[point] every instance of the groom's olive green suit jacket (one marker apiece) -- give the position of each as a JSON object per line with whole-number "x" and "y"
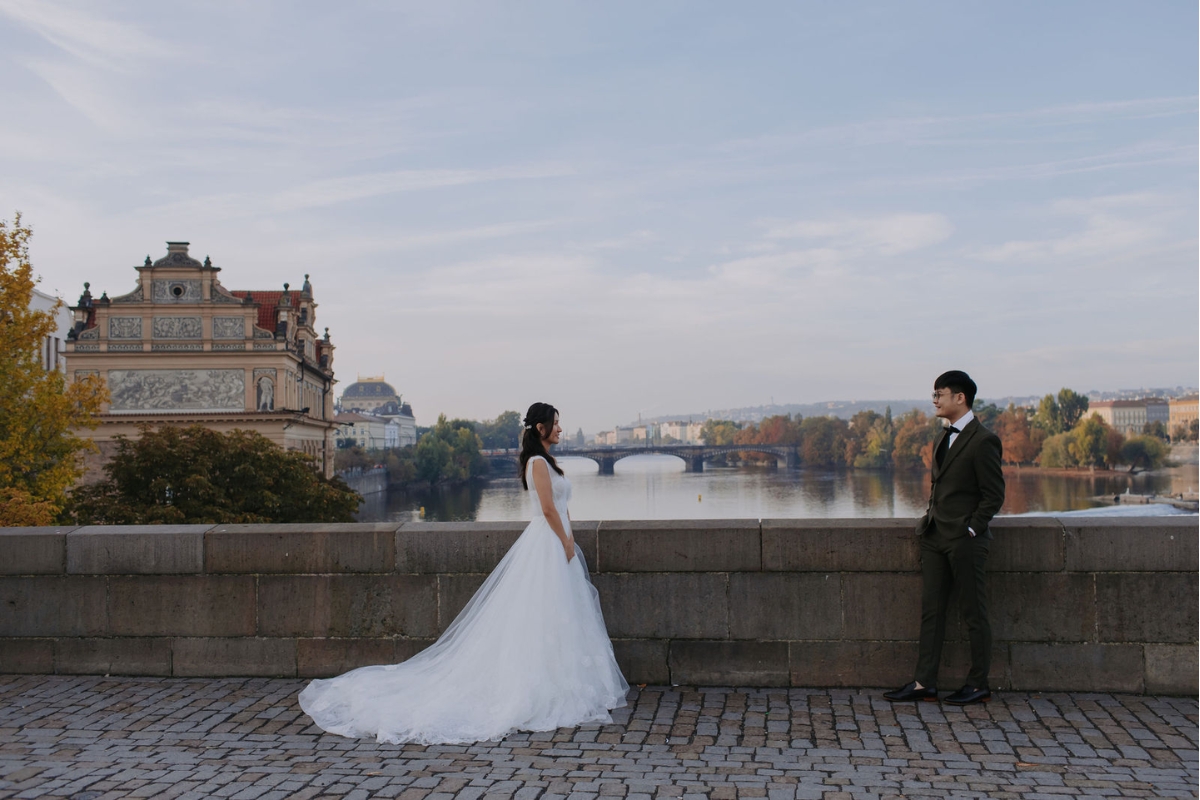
{"x": 967, "y": 488}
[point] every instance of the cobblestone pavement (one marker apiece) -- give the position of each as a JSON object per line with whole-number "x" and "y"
{"x": 91, "y": 738}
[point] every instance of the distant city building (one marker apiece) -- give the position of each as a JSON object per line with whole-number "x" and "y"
{"x": 1131, "y": 416}
{"x": 368, "y": 394}
{"x": 682, "y": 432}
{"x": 55, "y": 344}
{"x": 615, "y": 436}
{"x": 368, "y": 431}
{"x": 182, "y": 349}
{"x": 1182, "y": 415}
{"x": 378, "y": 397}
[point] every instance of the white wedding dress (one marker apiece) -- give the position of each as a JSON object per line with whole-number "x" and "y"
{"x": 529, "y": 652}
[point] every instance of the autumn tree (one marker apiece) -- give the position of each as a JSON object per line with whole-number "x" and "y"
{"x": 39, "y": 410}
{"x": 717, "y": 432}
{"x": 176, "y": 475}
{"x": 915, "y": 435}
{"x": 823, "y": 441}
{"x": 1020, "y": 440}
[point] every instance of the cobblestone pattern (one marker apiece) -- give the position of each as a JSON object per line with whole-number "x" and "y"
{"x": 93, "y": 738}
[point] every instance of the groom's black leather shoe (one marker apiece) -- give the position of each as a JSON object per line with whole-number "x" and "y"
{"x": 968, "y": 695}
{"x": 910, "y": 692}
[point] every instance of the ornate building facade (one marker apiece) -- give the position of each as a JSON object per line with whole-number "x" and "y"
{"x": 182, "y": 349}
{"x": 377, "y": 397}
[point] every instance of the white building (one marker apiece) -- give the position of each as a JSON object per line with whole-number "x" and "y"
{"x": 55, "y": 345}
{"x": 367, "y": 431}
{"x": 682, "y": 432}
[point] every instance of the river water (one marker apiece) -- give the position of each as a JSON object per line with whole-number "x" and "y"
{"x": 656, "y": 487}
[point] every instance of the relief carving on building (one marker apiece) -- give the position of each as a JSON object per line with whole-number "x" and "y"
{"x": 229, "y": 328}
{"x": 178, "y": 347}
{"x": 262, "y": 333}
{"x": 177, "y": 328}
{"x": 177, "y": 390}
{"x": 133, "y": 297}
{"x": 228, "y": 346}
{"x": 177, "y": 291}
{"x": 124, "y": 327}
{"x": 90, "y": 333}
{"x": 125, "y": 347}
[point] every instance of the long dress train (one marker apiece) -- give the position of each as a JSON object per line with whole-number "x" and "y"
{"x": 528, "y": 652}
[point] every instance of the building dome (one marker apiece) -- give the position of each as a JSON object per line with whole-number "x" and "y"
{"x": 369, "y": 389}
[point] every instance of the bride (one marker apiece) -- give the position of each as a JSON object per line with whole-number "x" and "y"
{"x": 529, "y": 651}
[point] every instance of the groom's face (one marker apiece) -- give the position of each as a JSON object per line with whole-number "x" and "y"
{"x": 949, "y": 404}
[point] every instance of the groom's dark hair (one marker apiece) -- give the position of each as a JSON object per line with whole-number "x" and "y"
{"x": 957, "y": 381}
{"x": 531, "y": 439}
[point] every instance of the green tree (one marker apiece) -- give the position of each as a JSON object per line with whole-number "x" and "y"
{"x": 1048, "y": 416}
{"x": 39, "y": 411}
{"x": 501, "y": 433}
{"x": 450, "y": 451}
{"x": 176, "y": 475}
{"x": 718, "y": 432}
{"x": 1056, "y": 452}
{"x": 1147, "y": 452}
{"x": 1072, "y": 407}
{"x": 1156, "y": 429}
{"x": 1089, "y": 442}
{"x": 987, "y": 414}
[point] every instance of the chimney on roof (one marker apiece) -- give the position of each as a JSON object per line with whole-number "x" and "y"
{"x": 177, "y": 247}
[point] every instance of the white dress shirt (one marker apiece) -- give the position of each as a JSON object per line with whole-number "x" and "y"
{"x": 963, "y": 421}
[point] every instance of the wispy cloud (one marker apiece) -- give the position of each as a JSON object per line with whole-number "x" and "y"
{"x": 95, "y": 40}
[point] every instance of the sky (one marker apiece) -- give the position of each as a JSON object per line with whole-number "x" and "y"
{"x": 638, "y": 208}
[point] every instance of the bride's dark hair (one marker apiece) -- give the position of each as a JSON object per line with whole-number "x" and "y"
{"x": 531, "y": 439}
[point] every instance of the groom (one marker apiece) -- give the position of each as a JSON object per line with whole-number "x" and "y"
{"x": 967, "y": 489}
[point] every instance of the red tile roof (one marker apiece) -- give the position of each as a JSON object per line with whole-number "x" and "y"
{"x": 267, "y": 303}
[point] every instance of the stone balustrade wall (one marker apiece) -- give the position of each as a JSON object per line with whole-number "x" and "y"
{"x": 1100, "y": 604}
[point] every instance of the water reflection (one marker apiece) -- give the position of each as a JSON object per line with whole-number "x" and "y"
{"x": 656, "y": 487}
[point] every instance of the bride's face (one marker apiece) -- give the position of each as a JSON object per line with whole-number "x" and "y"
{"x": 554, "y": 434}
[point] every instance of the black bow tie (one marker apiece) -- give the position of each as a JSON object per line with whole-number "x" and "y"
{"x": 952, "y": 429}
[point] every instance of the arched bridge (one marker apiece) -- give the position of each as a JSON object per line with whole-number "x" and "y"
{"x": 693, "y": 455}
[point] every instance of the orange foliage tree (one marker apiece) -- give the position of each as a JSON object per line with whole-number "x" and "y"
{"x": 39, "y": 411}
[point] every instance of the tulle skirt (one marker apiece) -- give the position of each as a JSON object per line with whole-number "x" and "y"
{"x": 529, "y": 652}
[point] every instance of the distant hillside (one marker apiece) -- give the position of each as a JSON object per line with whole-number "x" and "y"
{"x": 835, "y": 408}
{"x": 848, "y": 408}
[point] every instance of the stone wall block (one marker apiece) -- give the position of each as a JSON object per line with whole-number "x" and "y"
{"x": 182, "y": 605}
{"x": 301, "y": 548}
{"x": 213, "y": 658}
{"x": 786, "y": 605}
{"x": 1041, "y": 607}
{"x": 726, "y": 663}
{"x": 1076, "y": 667}
{"x": 453, "y": 547}
{"x": 367, "y": 606}
{"x": 841, "y": 663}
{"x": 52, "y": 606}
{"x": 1172, "y": 669}
{"x": 956, "y": 665}
{"x": 407, "y": 648}
{"x": 726, "y": 545}
{"x": 1125, "y": 544}
{"x": 832, "y": 545}
{"x": 664, "y": 605}
{"x": 136, "y": 550}
{"x": 19, "y": 656}
{"x": 125, "y": 656}
{"x": 1147, "y": 607}
{"x": 453, "y": 594}
{"x": 881, "y": 606}
{"x": 325, "y": 658}
{"x": 33, "y": 551}
{"x": 1029, "y": 544}
{"x": 643, "y": 660}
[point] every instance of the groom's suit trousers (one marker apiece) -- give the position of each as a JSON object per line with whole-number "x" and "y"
{"x": 948, "y": 562}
